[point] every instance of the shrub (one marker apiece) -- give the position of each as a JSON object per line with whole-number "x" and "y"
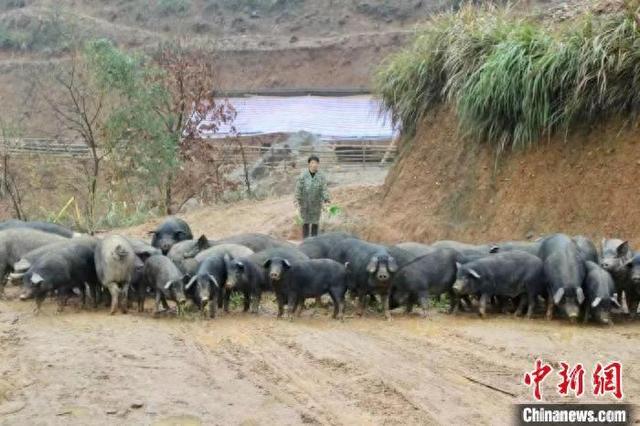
{"x": 7, "y": 39}
{"x": 512, "y": 80}
{"x": 49, "y": 33}
{"x": 12, "y": 4}
{"x": 120, "y": 214}
{"x": 173, "y": 7}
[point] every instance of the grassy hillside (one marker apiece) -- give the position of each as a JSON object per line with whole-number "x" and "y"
{"x": 513, "y": 80}
{"x": 41, "y": 25}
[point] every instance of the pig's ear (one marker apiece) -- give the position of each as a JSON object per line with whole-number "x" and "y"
{"x": 347, "y": 266}
{"x": 226, "y": 258}
{"x": 286, "y": 263}
{"x": 191, "y": 281}
{"x": 203, "y": 242}
{"x": 214, "y": 281}
{"x": 240, "y": 265}
{"x": 186, "y": 278}
{"x": 603, "y": 242}
{"x": 36, "y": 279}
{"x": 623, "y": 248}
{"x": 392, "y": 265}
{"x": 596, "y": 302}
{"x": 474, "y": 273}
{"x": 580, "y": 295}
{"x": 629, "y": 263}
{"x": 458, "y": 265}
{"x": 494, "y": 249}
{"x": 614, "y": 300}
{"x": 267, "y": 263}
{"x": 373, "y": 265}
{"x": 558, "y": 296}
{"x": 168, "y": 285}
{"x": 151, "y": 233}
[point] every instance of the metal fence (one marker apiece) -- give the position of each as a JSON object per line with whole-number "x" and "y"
{"x": 343, "y": 155}
{"x": 54, "y": 147}
{"x": 346, "y": 153}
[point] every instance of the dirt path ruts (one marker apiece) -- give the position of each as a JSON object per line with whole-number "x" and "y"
{"x": 89, "y": 368}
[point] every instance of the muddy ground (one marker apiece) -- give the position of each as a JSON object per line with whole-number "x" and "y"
{"x": 84, "y": 367}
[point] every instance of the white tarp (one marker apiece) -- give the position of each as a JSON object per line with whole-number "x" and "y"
{"x": 329, "y": 117}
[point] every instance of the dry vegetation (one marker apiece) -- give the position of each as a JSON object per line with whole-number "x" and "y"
{"x": 513, "y": 80}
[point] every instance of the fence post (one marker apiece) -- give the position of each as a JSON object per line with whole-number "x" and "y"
{"x": 389, "y": 151}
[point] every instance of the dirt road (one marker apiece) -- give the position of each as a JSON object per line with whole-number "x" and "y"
{"x": 83, "y": 367}
{"x": 86, "y": 368}
{"x": 275, "y": 216}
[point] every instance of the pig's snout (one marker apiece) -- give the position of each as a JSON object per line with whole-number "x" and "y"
{"x": 635, "y": 278}
{"x": 165, "y": 246}
{"x": 572, "y": 313}
{"x": 606, "y": 264}
{"x": 458, "y": 286}
{"x": 605, "y": 320}
{"x": 274, "y": 275}
{"x": 382, "y": 275}
{"x": 27, "y": 293}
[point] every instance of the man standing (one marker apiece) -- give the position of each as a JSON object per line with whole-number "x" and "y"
{"x": 311, "y": 192}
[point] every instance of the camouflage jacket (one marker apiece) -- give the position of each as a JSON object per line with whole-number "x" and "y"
{"x": 311, "y": 192}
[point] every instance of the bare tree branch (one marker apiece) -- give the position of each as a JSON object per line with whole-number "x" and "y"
{"x": 80, "y": 109}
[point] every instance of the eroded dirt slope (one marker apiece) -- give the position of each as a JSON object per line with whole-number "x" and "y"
{"x": 445, "y": 188}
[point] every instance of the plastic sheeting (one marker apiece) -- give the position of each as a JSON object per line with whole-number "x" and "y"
{"x": 339, "y": 117}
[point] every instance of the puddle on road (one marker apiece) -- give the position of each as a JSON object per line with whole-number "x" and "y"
{"x": 185, "y": 420}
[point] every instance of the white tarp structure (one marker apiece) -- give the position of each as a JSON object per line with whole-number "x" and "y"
{"x": 328, "y": 117}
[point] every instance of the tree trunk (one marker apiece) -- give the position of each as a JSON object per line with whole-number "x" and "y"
{"x": 168, "y": 194}
{"x": 14, "y": 194}
{"x": 93, "y": 189}
{"x": 246, "y": 168}
{"x": 216, "y": 191}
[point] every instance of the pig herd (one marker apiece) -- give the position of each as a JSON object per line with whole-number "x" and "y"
{"x": 559, "y": 274}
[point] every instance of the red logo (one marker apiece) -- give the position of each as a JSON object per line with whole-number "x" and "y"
{"x": 571, "y": 379}
{"x": 536, "y": 377}
{"x": 606, "y": 379}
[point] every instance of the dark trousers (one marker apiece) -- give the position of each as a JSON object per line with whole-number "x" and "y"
{"x": 309, "y": 229}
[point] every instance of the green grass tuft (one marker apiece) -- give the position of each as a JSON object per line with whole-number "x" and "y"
{"x": 512, "y": 81}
